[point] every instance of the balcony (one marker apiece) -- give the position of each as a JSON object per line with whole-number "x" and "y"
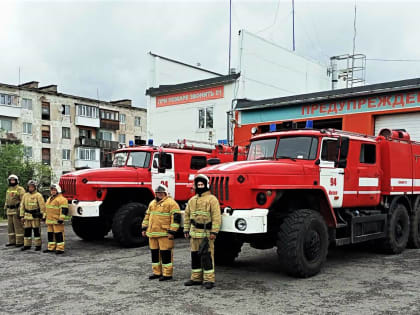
{"x": 10, "y": 111}
{"x": 106, "y": 144}
{"x": 86, "y": 142}
{"x": 87, "y": 121}
{"x": 8, "y": 137}
{"x": 110, "y": 124}
{"x": 80, "y": 164}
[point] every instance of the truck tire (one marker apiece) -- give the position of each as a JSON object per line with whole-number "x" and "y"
{"x": 226, "y": 248}
{"x": 302, "y": 243}
{"x": 397, "y": 230}
{"x": 90, "y": 229}
{"x": 414, "y": 238}
{"x": 126, "y": 225}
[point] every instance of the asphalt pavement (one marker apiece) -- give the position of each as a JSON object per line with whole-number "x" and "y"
{"x": 102, "y": 278}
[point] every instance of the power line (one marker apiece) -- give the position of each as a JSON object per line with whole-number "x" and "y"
{"x": 275, "y": 19}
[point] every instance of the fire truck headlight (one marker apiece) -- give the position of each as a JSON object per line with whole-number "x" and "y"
{"x": 80, "y": 210}
{"x": 254, "y": 130}
{"x": 241, "y": 224}
{"x": 261, "y": 198}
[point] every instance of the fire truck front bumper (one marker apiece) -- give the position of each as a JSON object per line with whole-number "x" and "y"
{"x": 244, "y": 221}
{"x": 84, "y": 208}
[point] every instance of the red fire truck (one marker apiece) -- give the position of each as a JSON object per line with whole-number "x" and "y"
{"x": 116, "y": 198}
{"x": 303, "y": 190}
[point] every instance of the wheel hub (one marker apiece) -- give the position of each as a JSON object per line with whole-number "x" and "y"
{"x": 312, "y": 245}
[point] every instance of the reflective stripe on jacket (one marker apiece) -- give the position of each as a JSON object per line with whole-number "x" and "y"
{"x": 54, "y": 209}
{"x": 161, "y": 217}
{"x": 14, "y": 195}
{"x": 30, "y": 202}
{"x": 202, "y": 210}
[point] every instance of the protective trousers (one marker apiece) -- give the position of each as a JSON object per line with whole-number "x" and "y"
{"x": 55, "y": 237}
{"x": 36, "y": 227}
{"x": 162, "y": 255}
{"x": 202, "y": 270}
{"x": 15, "y": 229}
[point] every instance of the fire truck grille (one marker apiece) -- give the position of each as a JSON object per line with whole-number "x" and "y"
{"x": 219, "y": 186}
{"x": 68, "y": 185}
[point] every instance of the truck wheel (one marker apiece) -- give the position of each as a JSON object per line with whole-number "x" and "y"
{"x": 90, "y": 229}
{"x": 397, "y": 230}
{"x": 226, "y": 248}
{"x": 414, "y": 238}
{"x": 126, "y": 225}
{"x": 302, "y": 243}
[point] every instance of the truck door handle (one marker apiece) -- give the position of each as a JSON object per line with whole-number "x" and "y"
{"x": 341, "y": 173}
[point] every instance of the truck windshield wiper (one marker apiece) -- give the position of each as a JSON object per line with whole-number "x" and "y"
{"x": 265, "y": 158}
{"x": 286, "y": 157}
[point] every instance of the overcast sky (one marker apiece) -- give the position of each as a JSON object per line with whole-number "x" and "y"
{"x": 85, "y": 46}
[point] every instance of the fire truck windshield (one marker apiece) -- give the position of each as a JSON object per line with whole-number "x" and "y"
{"x": 134, "y": 159}
{"x": 304, "y": 148}
{"x": 262, "y": 149}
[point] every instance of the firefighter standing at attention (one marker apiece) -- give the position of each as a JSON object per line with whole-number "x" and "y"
{"x": 202, "y": 223}
{"x": 32, "y": 208}
{"x": 57, "y": 208}
{"x": 14, "y": 195}
{"x": 160, "y": 224}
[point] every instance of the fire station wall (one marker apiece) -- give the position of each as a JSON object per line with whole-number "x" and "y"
{"x": 169, "y": 123}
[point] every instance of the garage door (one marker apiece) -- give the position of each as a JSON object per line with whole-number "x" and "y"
{"x": 409, "y": 122}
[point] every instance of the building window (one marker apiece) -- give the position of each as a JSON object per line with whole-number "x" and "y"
{"x": 121, "y": 138}
{"x": 27, "y": 152}
{"x": 45, "y": 111}
{"x": 87, "y": 111}
{"x": 205, "y": 118}
{"x": 27, "y": 103}
{"x": 66, "y": 110}
{"x": 122, "y": 118}
{"x": 105, "y": 135}
{"x": 6, "y": 124}
{"x": 85, "y": 133}
{"x": 137, "y": 121}
{"x": 27, "y": 128}
{"x": 46, "y": 134}
{"x": 87, "y": 154}
{"x": 66, "y": 154}
{"x": 46, "y": 159}
{"x": 6, "y": 99}
{"x": 66, "y": 133}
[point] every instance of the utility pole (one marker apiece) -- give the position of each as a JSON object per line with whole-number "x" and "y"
{"x": 230, "y": 32}
{"x": 293, "y": 15}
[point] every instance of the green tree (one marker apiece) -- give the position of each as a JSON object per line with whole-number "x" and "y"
{"x": 12, "y": 161}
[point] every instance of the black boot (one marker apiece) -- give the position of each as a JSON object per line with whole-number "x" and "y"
{"x": 153, "y": 276}
{"x": 25, "y": 248}
{"x": 37, "y": 248}
{"x": 47, "y": 251}
{"x": 19, "y": 245}
{"x": 59, "y": 252}
{"x": 10, "y": 244}
{"x": 192, "y": 282}
{"x": 164, "y": 278}
{"x": 208, "y": 285}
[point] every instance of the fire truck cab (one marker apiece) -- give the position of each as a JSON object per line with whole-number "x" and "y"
{"x": 116, "y": 198}
{"x": 302, "y": 190}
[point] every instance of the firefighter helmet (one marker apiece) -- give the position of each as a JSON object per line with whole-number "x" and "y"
{"x": 13, "y": 176}
{"x": 202, "y": 178}
{"x": 56, "y": 187}
{"x": 32, "y": 182}
{"x": 161, "y": 189}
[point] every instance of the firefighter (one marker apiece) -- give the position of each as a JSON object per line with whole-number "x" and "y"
{"x": 57, "y": 208}
{"x": 14, "y": 195}
{"x": 32, "y": 208}
{"x": 201, "y": 224}
{"x": 160, "y": 224}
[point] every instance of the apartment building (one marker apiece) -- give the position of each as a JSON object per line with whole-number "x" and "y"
{"x": 65, "y": 131}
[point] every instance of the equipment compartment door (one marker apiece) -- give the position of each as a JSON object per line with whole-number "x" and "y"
{"x": 164, "y": 176}
{"x": 331, "y": 177}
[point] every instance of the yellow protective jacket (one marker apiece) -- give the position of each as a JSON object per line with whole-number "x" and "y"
{"x": 162, "y": 217}
{"x": 57, "y": 207}
{"x": 14, "y": 195}
{"x": 202, "y": 215}
{"x": 32, "y": 203}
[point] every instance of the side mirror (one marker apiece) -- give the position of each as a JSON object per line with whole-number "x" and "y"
{"x": 317, "y": 162}
{"x": 235, "y": 153}
{"x": 213, "y": 161}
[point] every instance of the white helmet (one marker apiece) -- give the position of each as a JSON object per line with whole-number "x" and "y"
{"x": 202, "y": 178}
{"x": 56, "y": 187}
{"x": 13, "y": 176}
{"x": 161, "y": 189}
